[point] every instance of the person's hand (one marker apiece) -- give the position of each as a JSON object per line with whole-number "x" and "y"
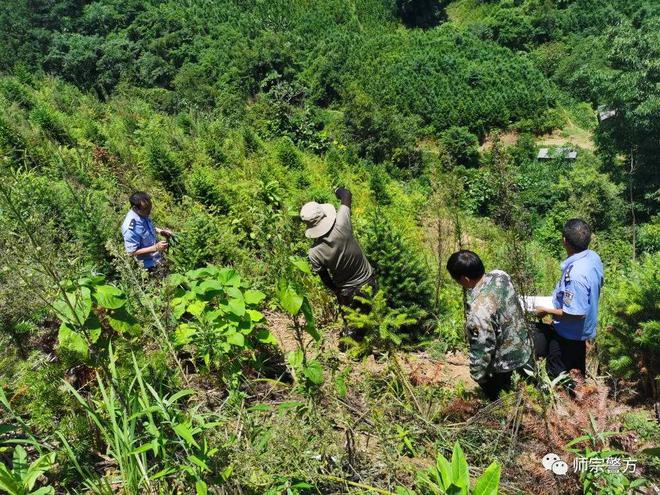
{"x": 540, "y": 311}
{"x": 340, "y": 192}
{"x": 165, "y": 232}
{"x": 160, "y": 246}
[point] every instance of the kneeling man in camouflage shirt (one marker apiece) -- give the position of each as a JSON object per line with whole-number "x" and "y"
{"x": 495, "y": 324}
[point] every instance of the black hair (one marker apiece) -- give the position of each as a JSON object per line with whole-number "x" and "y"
{"x": 577, "y": 234}
{"x": 138, "y": 199}
{"x": 465, "y": 263}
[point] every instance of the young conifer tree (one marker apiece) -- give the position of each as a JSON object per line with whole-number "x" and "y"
{"x": 401, "y": 273}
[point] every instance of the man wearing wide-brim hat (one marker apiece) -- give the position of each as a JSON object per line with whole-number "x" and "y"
{"x": 336, "y": 255}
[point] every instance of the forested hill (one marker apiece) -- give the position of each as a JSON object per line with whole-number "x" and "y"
{"x": 232, "y": 114}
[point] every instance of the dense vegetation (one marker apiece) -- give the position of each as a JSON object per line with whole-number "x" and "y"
{"x": 225, "y": 377}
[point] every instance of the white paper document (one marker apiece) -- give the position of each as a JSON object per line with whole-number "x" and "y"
{"x": 531, "y": 302}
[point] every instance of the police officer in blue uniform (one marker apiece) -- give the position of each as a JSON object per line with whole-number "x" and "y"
{"x": 575, "y": 304}
{"x": 140, "y": 234}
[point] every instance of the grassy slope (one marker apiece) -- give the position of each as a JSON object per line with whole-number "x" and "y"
{"x": 363, "y": 436}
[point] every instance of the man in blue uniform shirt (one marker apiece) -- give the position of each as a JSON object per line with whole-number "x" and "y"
{"x": 140, "y": 233}
{"x": 575, "y": 304}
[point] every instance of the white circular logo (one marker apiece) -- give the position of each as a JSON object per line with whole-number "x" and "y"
{"x": 560, "y": 467}
{"x": 549, "y": 460}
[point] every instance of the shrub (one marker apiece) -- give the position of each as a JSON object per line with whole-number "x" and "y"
{"x": 203, "y": 239}
{"x": 15, "y": 92}
{"x": 421, "y": 13}
{"x": 202, "y": 185}
{"x": 251, "y": 141}
{"x": 51, "y": 123}
{"x": 400, "y": 271}
{"x": 288, "y": 155}
{"x": 381, "y": 134}
{"x": 648, "y": 237}
{"x": 166, "y": 168}
{"x": 218, "y": 317}
{"x": 462, "y": 145}
{"x": 630, "y": 341}
{"x": 378, "y": 182}
{"x": 11, "y": 141}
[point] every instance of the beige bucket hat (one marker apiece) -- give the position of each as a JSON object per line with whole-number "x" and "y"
{"x": 319, "y": 218}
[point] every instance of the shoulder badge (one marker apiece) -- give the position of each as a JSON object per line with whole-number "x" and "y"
{"x": 131, "y": 225}
{"x": 567, "y": 275}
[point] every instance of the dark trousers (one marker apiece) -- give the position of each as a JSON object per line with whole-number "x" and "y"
{"x": 495, "y": 384}
{"x": 347, "y": 296}
{"x": 562, "y": 355}
{"x": 347, "y": 299}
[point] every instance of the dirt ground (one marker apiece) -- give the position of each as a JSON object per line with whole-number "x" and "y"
{"x": 572, "y": 135}
{"x": 420, "y": 367}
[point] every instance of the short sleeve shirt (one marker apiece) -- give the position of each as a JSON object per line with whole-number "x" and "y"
{"x": 340, "y": 254}
{"x": 139, "y": 232}
{"x": 577, "y": 293}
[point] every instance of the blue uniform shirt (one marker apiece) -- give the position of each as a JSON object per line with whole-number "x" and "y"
{"x": 139, "y": 232}
{"x": 577, "y": 293}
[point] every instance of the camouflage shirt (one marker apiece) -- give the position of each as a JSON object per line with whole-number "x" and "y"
{"x": 496, "y": 328}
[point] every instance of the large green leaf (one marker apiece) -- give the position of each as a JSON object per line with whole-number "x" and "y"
{"x": 295, "y": 358}
{"x": 81, "y": 303}
{"x": 93, "y": 328}
{"x": 175, "y": 280}
{"x": 179, "y": 305}
{"x": 210, "y": 288}
{"x": 301, "y": 264}
{"x": 201, "y": 488}
{"x": 45, "y": 490}
{"x": 234, "y": 292}
{"x": 255, "y": 316}
{"x": 266, "y": 337}
{"x": 184, "y": 431}
{"x": 206, "y": 272}
{"x": 7, "y": 481}
{"x": 228, "y": 276}
{"x": 196, "y": 308}
{"x": 37, "y": 468}
{"x": 314, "y": 372}
{"x": 183, "y": 334}
{"x": 236, "y": 307}
{"x": 310, "y": 323}
{"x": 236, "y": 339}
{"x": 489, "y": 482}
{"x": 123, "y": 322}
{"x": 20, "y": 462}
{"x": 91, "y": 280}
{"x": 71, "y": 341}
{"x": 460, "y": 475}
{"x": 109, "y": 297}
{"x": 254, "y": 297}
{"x": 288, "y": 298}
{"x": 443, "y": 471}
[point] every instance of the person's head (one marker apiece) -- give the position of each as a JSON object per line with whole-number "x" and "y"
{"x": 141, "y": 203}
{"x": 576, "y": 235}
{"x": 466, "y": 268}
{"x": 318, "y": 218}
